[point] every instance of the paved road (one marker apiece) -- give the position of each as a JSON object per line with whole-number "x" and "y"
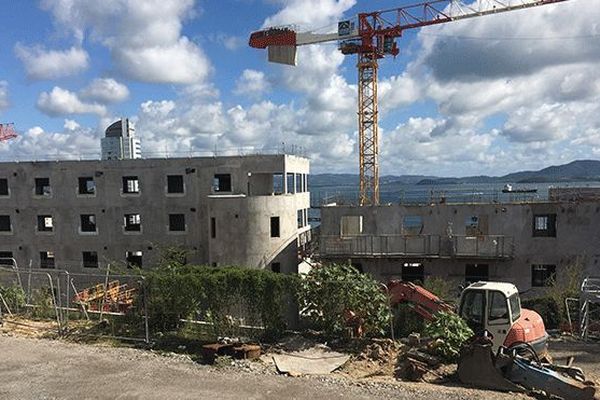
{"x": 46, "y": 369}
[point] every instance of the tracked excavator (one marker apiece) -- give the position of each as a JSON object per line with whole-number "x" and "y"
{"x": 509, "y": 351}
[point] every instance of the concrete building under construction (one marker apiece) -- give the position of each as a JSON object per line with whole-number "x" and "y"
{"x": 81, "y": 215}
{"x": 528, "y": 243}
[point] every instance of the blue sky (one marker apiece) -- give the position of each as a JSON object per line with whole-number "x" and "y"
{"x": 490, "y": 95}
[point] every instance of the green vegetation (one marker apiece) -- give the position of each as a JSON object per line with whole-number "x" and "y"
{"x": 450, "y": 333}
{"x": 330, "y": 291}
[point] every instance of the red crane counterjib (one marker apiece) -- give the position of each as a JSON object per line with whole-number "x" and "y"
{"x": 7, "y": 132}
{"x": 273, "y": 37}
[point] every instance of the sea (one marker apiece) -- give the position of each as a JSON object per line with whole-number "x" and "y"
{"x": 449, "y": 193}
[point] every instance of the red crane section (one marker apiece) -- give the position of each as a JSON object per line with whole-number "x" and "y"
{"x": 7, "y": 132}
{"x": 423, "y": 301}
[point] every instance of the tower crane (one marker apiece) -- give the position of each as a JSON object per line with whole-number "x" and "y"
{"x": 7, "y": 131}
{"x": 372, "y": 36}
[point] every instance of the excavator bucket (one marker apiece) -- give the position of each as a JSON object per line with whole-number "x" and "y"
{"x": 477, "y": 367}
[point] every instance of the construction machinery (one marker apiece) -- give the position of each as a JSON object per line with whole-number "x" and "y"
{"x": 7, "y": 131}
{"x": 372, "y": 36}
{"x": 509, "y": 349}
{"x": 493, "y": 307}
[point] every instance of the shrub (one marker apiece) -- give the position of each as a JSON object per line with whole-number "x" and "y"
{"x": 14, "y": 297}
{"x": 451, "y": 333}
{"x": 217, "y": 295}
{"x": 329, "y": 291}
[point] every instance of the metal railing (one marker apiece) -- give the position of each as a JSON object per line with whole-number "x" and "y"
{"x": 434, "y": 246}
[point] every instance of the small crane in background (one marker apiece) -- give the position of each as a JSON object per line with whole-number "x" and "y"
{"x": 7, "y": 131}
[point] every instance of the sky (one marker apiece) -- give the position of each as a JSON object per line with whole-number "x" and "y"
{"x": 489, "y": 95}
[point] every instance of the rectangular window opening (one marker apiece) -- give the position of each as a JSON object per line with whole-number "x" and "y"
{"x": 47, "y": 259}
{"x": 175, "y": 184}
{"x": 299, "y": 183}
{"x": 276, "y": 267}
{"x": 90, "y": 259}
{"x": 351, "y": 225}
{"x": 87, "y": 185}
{"x": 213, "y": 228}
{"x": 222, "y": 183}
{"x": 413, "y": 272}
{"x": 132, "y": 222}
{"x": 134, "y": 259}
{"x": 131, "y": 184}
{"x": 42, "y": 187}
{"x": 476, "y": 272}
{"x": 543, "y": 275}
{"x": 544, "y": 225}
{"x": 88, "y": 223}
{"x": 6, "y": 258}
{"x": 5, "y": 225}
{"x": 300, "y": 218}
{"x": 177, "y": 222}
{"x": 277, "y": 183}
{"x": 45, "y": 223}
{"x": 275, "y": 227}
{"x": 290, "y": 183}
{"x": 3, "y": 187}
{"x": 412, "y": 225}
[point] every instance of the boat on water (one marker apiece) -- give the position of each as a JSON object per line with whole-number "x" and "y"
{"x": 509, "y": 189}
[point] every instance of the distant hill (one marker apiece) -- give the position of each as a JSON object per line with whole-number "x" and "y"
{"x": 580, "y": 170}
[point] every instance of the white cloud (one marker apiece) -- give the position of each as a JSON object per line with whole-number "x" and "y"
{"x": 105, "y": 90}
{"x": 228, "y": 41}
{"x": 35, "y": 143}
{"x": 143, "y": 36}
{"x": 252, "y": 82}
{"x": 63, "y": 102}
{"x": 309, "y": 14}
{"x": 43, "y": 64}
{"x": 4, "y": 102}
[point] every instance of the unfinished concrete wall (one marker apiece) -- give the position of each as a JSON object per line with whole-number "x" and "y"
{"x": 501, "y": 236}
{"x": 201, "y": 200}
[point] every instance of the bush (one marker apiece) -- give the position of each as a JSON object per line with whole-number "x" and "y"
{"x": 451, "y": 333}
{"x": 329, "y": 291}
{"x": 547, "y": 308}
{"x": 217, "y": 295}
{"x": 14, "y": 297}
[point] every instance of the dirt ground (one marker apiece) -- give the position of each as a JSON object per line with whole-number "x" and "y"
{"x": 34, "y": 365}
{"x": 52, "y": 369}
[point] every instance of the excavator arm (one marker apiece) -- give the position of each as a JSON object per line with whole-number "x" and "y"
{"x": 422, "y": 300}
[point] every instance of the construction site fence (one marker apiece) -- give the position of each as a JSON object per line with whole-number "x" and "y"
{"x": 86, "y": 304}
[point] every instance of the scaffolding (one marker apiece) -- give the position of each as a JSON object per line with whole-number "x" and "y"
{"x": 589, "y": 308}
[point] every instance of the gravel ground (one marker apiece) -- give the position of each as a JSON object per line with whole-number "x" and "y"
{"x": 51, "y": 369}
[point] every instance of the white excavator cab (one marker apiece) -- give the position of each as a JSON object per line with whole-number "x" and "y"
{"x": 491, "y": 306}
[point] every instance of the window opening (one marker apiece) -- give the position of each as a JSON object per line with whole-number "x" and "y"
{"x": 278, "y": 183}
{"x": 3, "y": 187}
{"x": 542, "y": 275}
{"x": 413, "y": 272}
{"x": 42, "y": 187}
{"x": 90, "y": 259}
{"x": 87, "y": 185}
{"x": 222, "y": 183}
{"x": 5, "y": 225}
{"x": 476, "y": 273}
{"x": 412, "y": 225}
{"x": 175, "y": 184}
{"x": 544, "y": 225}
{"x": 176, "y": 222}
{"x": 274, "y": 226}
{"x": 134, "y": 259}
{"x": 45, "y": 223}
{"x": 213, "y": 228}
{"x": 6, "y": 258}
{"x": 88, "y": 223}
{"x": 276, "y": 267}
{"x": 133, "y": 222}
{"x": 47, "y": 259}
{"x": 131, "y": 184}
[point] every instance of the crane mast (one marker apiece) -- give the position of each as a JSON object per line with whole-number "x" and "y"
{"x": 372, "y": 37}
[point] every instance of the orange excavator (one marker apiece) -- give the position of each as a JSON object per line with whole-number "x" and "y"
{"x": 494, "y": 307}
{"x": 509, "y": 350}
